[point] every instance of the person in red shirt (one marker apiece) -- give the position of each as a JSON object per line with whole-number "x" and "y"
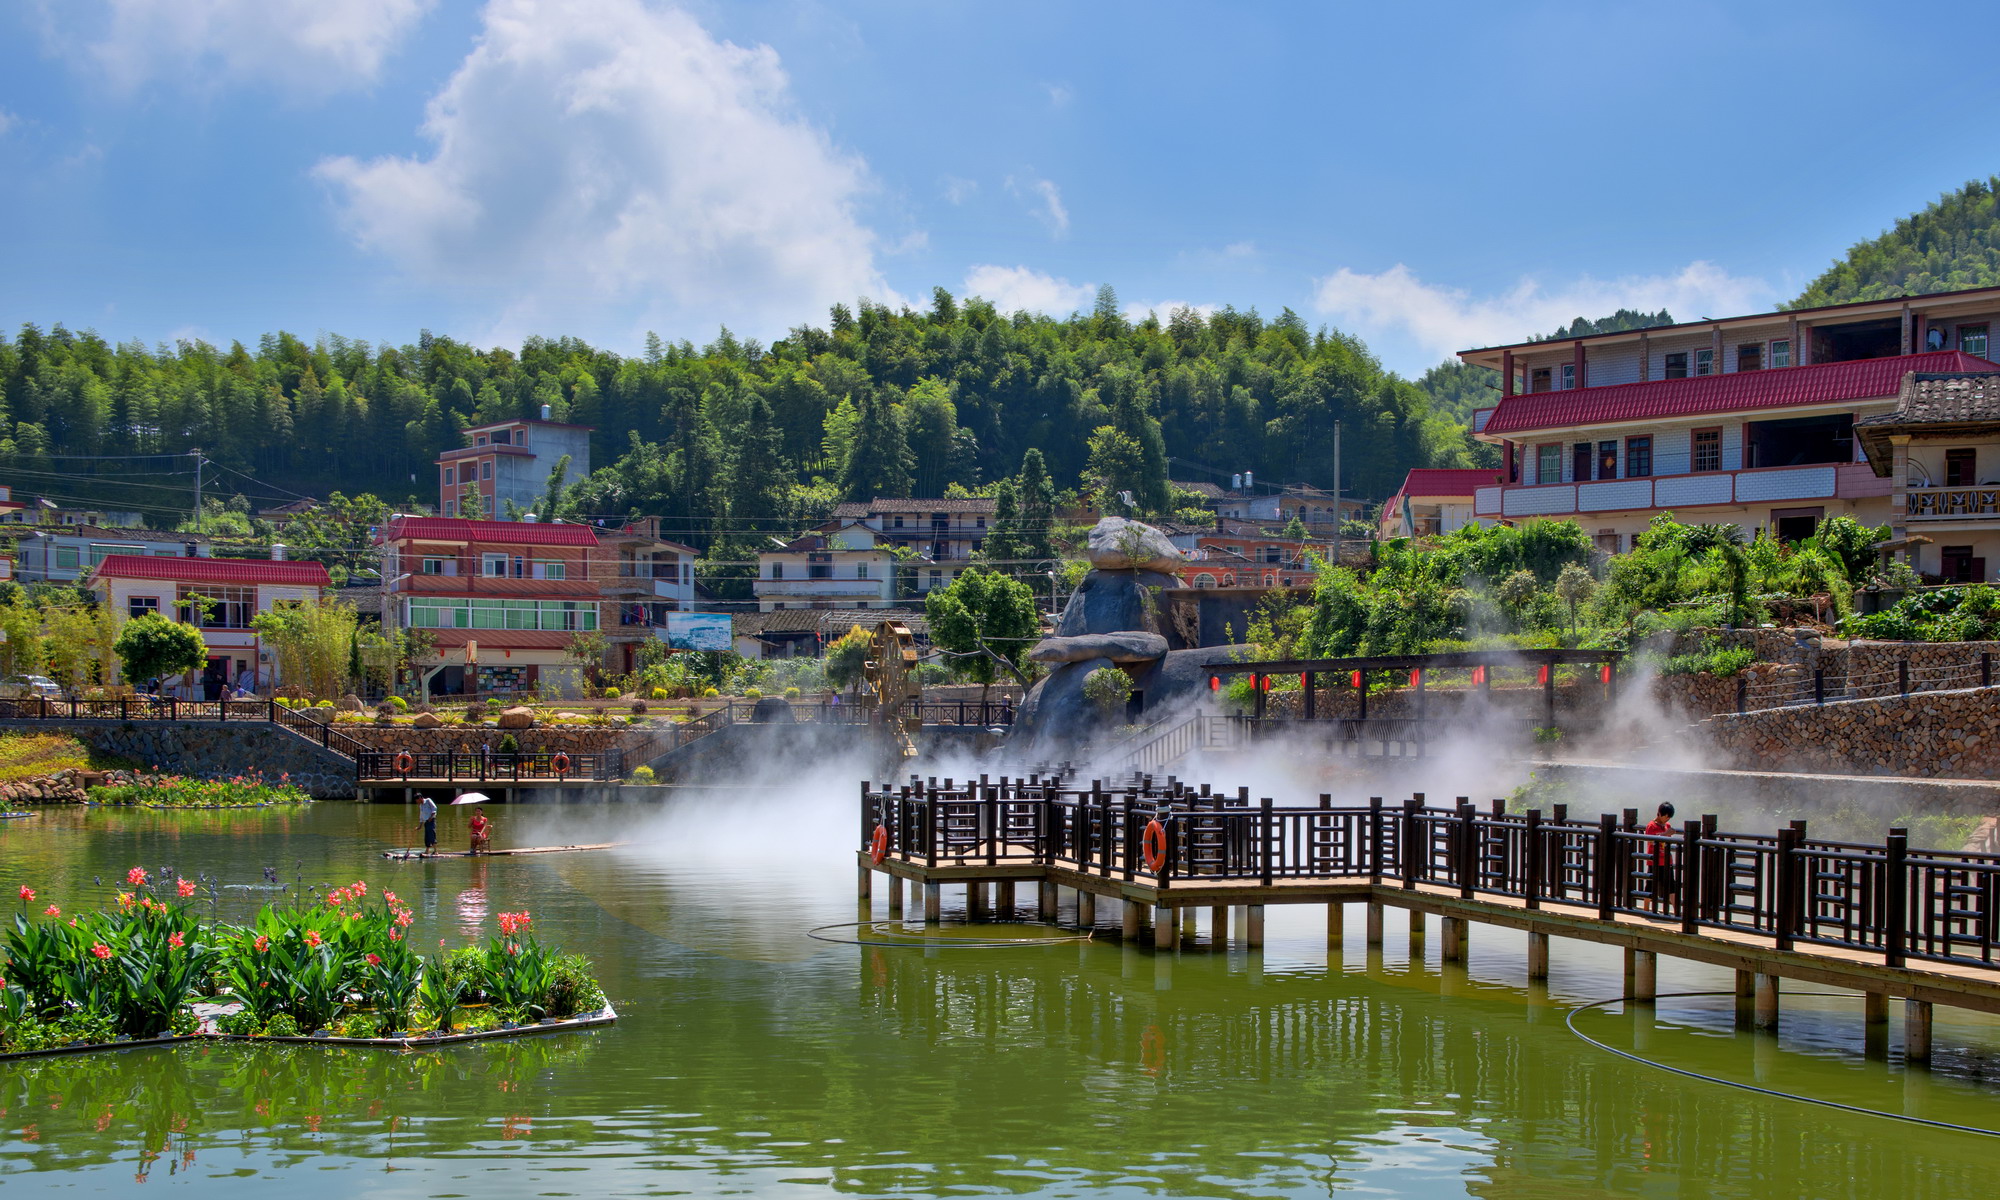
{"x": 1664, "y": 883}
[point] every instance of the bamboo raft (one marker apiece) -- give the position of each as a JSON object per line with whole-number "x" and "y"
{"x": 410, "y": 855}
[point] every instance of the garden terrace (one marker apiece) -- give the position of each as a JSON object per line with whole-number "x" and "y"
{"x": 1887, "y": 919}
{"x": 1481, "y": 667}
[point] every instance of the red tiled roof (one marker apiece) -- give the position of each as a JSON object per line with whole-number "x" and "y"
{"x": 1447, "y": 481}
{"x": 1779, "y": 387}
{"x": 213, "y": 570}
{"x": 517, "y": 533}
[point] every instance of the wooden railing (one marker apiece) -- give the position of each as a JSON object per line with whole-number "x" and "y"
{"x": 1883, "y": 899}
{"x": 149, "y": 708}
{"x": 1944, "y": 503}
{"x": 461, "y": 766}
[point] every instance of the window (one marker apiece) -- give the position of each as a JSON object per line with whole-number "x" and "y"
{"x": 861, "y": 570}
{"x": 486, "y": 469}
{"x": 1704, "y": 362}
{"x": 1569, "y": 376}
{"x": 1675, "y": 366}
{"x": 448, "y": 476}
{"x": 437, "y": 566}
{"x": 1580, "y": 463}
{"x": 1961, "y": 467}
{"x": 520, "y": 437}
{"x": 142, "y": 606}
{"x": 1538, "y": 380}
{"x": 777, "y": 570}
{"x": 1750, "y": 358}
{"x": 1204, "y": 580}
{"x": 218, "y": 607}
{"x": 1972, "y": 340}
{"x": 1707, "y": 450}
{"x": 67, "y": 558}
{"x": 1549, "y": 463}
{"x": 819, "y": 566}
{"x": 982, "y": 522}
{"x": 1607, "y": 460}
{"x": 898, "y": 524}
{"x": 479, "y": 439}
{"x": 551, "y": 568}
{"x": 435, "y": 612}
{"x": 1959, "y": 565}
{"x": 493, "y": 566}
{"x": 1638, "y": 457}
{"x": 1781, "y": 353}
{"x": 450, "y": 508}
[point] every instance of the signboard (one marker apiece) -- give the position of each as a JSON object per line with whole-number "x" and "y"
{"x": 699, "y": 631}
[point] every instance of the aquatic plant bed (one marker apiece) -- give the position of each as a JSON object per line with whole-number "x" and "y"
{"x": 421, "y": 1041}
{"x": 334, "y": 967}
{"x": 178, "y": 791}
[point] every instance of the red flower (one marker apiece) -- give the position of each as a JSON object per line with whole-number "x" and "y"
{"x": 27, "y": 893}
{"x": 175, "y": 940}
{"x": 101, "y": 950}
{"x": 52, "y": 911}
{"x": 389, "y": 898}
{"x": 185, "y": 887}
{"x": 262, "y": 943}
{"x": 312, "y": 937}
{"x": 374, "y": 960}
{"x": 136, "y": 876}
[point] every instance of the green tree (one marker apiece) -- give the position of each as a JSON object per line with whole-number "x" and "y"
{"x": 847, "y": 658}
{"x": 1574, "y": 586}
{"x": 314, "y": 644}
{"x": 931, "y": 418}
{"x": 985, "y": 621}
{"x": 878, "y": 462}
{"x": 152, "y": 647}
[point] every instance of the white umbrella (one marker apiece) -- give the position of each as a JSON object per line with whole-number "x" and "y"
{"x": 472, "y": 798}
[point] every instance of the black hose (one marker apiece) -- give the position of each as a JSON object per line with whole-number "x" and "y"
{"x": 816, "y": 933}
{"x": 1570, "y": 1021}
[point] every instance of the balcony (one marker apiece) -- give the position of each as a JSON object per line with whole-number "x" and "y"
{"x": 824, "y": 589}
{"x": 1954, "y": 503}
{"x": 1709, "y": 489}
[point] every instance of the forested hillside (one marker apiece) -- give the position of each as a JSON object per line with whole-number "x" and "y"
{"x": 1457, "y": 388}
{"x": 733, "y": 434}
{"x": 1954, "y": 243}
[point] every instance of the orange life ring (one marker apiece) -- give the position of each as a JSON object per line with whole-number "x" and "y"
{"x": 404, "y": 762}
{"x": 1153, "y": 845}
{"x": 878, "y": 845}
{"x": 561, "y": 763}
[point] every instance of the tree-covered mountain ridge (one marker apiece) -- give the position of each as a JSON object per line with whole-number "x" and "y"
{"x": 1953, "y": 243}
{"x": 733, "y": 436}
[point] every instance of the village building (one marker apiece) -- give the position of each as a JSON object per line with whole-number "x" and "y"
{"x": 219, "y": 596}
{"x": 1747, "y": 420}
{"x": 508, "y": 461}
{"x": 1434, "y": 501}
{"x": 796, "y": 633}
{"x": 503, "y": 599}
{"x": 835, "y": 566}
{"x": 644, "y": 578}
{"x": 67, "y": 553}
{"x": 1939, "y": 450}
{"x": 10, "y": 508}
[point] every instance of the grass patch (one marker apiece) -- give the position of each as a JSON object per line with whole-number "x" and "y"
{"x": 27, "y": 755}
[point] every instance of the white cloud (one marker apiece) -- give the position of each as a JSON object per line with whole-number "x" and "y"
{"x": 1441, "y": 320}
{"x": 1045, "y": 199}
{"x": 7, "y": 121}
{"x": 606, "y": 161}
{"x": 1012, "y": 289}
{"x": 311, "y": 46}
{"x": 1059, "y": 94}
{"x": 958, "y": 191}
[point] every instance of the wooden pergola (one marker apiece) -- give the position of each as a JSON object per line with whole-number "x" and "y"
{"x": 1480, "y": 662}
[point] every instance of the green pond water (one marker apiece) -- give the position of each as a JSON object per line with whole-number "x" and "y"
{"x": 752, "y": 1060}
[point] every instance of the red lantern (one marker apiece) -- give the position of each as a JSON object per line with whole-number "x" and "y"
{"x": 1604, "y": 673}
{"x": 1264, "y": 681}
{"x": 1542, "y": 676}
{"x": 1416, "y": 676}
{"x": 1354, "y": 681}
{"x": 1478, "y": 675}
{"x": 1214, "y": 684}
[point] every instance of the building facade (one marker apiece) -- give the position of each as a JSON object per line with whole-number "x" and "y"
{"x": 1748, "y": 420}
{"x": 508, "y": 461}
{"x": 837, "y": 566}
{"x": 644, "y": 578}
{"x": 1939, "y": 452}
{"x": 67, "y": 553}
{"x": 1434, "y": 501}
{"x": 220, "y": 597}
{"x": 503, "y": 599}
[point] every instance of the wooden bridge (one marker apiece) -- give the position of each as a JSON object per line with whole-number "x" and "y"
{"x": 1885, "y": 919}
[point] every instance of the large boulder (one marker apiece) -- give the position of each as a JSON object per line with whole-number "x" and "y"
{"x": 425, "y": 721}
{"x": 1116, "y": 602}
{"x": 772, "y": 710}
{"x": 1117, "y": 544}
{"x": 1129, "y": 647}
{"x": 1056, "y": 710}
{"x": 517, "y": 718}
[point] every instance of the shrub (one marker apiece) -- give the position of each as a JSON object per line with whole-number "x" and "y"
{"x": 571, "y": 989}
{"x": 753, "y": 693}
{"x": 509, "y": 744}
{"x": 638, "y": 706}
{"x": 659, "y": 693}
{"x": 613, "y": 694}
{"x": 359, "y": 1025}
{"x": 645, "y": 777}
{"x": 1107, "y": 689}
{"x": 791, "y": 693}
{"x": 1711, "y": 659}
{"x": 281, "y": 1025}
{"x": 709, "y": 693}
{"x": 494, "y": 702}
{"x": 399, "y": 704}
{"x": 324, "y": 704}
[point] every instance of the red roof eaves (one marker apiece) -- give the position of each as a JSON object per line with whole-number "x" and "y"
{"x": 517, "y": 533}
{"x": 212, "y": 570}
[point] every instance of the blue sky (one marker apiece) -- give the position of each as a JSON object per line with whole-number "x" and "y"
{"x": 1430, "y": 177}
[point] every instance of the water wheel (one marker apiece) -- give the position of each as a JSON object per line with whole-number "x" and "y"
{"x": 892, "y": 686}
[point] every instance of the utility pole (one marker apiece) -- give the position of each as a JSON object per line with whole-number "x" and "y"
{"x": 1336, "y": 494}
{"x": 197, "y": 489}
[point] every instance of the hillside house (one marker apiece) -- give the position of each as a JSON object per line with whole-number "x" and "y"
{"x": 508, "y": 460}
{"x": 836, "y": 566}
{"x": 220, "y": 596}
{"x": 644, "y": 577}
{"x": 1939, "y": 450}
{"x": 1748, "y": 420}
{"x": 66, "y": 553}
{"x": 1435, "y": 501}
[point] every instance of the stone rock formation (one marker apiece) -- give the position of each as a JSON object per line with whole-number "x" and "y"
{"x": 517, "y": 718}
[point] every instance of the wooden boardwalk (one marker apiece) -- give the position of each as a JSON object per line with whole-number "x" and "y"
{"x": 409, "y": 855}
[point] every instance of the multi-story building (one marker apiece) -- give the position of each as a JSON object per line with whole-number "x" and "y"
{"x": 66, "y": 553}
{"x": 1747, "y": 420}
{"x": 10, "y": 508}
{"x": 508, "y": 460}
{"x": 1939, "y": 451}
{"x": 1316, "y": 508}
{"x": 1435, "y": 500}
{"x": 218, "y": 595}
{"x": 835, "y": 566}
{"x": 643, "y": 577}
{"x": 1240, "y": 555}
{"x": 502, "y": 598}
{"x": 942, "y": 534}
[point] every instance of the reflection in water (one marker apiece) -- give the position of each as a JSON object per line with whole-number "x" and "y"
{"x": 750, "y": 1059}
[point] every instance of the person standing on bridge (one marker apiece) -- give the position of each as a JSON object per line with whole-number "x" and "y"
{"x": 427, "y": 814}
{"x": 1662, "y": 826}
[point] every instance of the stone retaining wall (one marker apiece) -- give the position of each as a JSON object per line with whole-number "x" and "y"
{"x": 1933, "y": 735}
{"x": 580, "y": 739}
{"x": 212, "y": 750}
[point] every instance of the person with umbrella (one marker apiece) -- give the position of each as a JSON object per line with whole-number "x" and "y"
{"x": 480, "y": 828}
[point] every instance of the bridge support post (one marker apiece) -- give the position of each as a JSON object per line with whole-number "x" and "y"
{"x": 1188, "y": 918}
{"x": 1374, "y": 923}
{"x": 895, "y": 896}
{"x": 933, "y": 902}
{"x": 1218, "y": 925}
{"x": 975, "y": 901}
{"x": 1003, "y": 899}
{"x": 1047, "y": 902}
{"x": 1336, "y": 923}
{"x": 1166, "y": 930}
{"x": 1254, "y": 935}
{"x": 1538, "y": 956}
{"x": 1916, "y": 1031}
{"x": 1416, "y": 928}
{"x": 1646, "y": 976}
{"x": 1130, "y": 919}
{"x": 864, "y": 884}
{"x": 1767, "y": 1001}
{"x": 1874, "y": 1025}
{"x": 1746, "y": 988}
{"x": 1086, "y": 909}
{"x": 1452, "y": 932}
